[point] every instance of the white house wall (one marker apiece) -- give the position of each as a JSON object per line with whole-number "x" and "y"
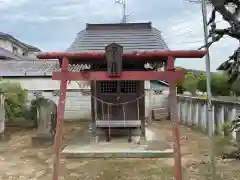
{"x": 147, "y": 85}
{"x": 78, "y": 105}
{"x": 5, "y": 44}
{"x": 40, "y": 84}
{"x": 153, "y": 100}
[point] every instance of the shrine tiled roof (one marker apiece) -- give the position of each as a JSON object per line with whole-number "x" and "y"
{"x": 10, "y": 68}
{"x": 132, "y": 36}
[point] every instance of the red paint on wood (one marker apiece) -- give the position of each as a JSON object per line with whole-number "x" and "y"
{"x": 126, "y": 75}
{"x": 170, "y": 63}
{"x": 60, "y": 121}
{"x": 129, "y": 55}
{"x": 176, "y": 132}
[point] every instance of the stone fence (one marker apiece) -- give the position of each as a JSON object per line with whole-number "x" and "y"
{"x": 192, "y": 111}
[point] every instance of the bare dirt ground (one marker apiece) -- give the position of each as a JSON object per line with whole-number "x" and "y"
{"x": 19, "y": 161}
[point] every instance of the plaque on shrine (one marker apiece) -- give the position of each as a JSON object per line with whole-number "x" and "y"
{"x": 113, "y": 54}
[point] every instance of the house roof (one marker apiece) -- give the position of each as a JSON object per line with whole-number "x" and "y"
{"x": 160, "y": 82}
{"x": 5, "y": 54}
{"x": 163, "y": 83}
{"x": 20, "y": 43}
{"x": 132, "y": 36}
{"x": 13, "y": 68}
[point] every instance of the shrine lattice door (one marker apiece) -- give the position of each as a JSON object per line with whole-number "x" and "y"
{"x": 121, "y": 96}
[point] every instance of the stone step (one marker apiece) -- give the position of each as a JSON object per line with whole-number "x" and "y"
{"x": 118, "y": 123}
{"x": 117, "y": 154}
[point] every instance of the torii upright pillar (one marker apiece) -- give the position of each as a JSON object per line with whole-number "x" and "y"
{"x": 60, "y": 119}
{"x": 170, "y": 76}
{"x": 175, "y": 120}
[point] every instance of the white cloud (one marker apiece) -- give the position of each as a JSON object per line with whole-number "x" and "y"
{"x": 5, "y": 4}
{"x": 83, "y": 11}
{"x": 26, "y": 18}
{"x": 88, "y": 9}
{"x": 180, "y": 23}
{"x": 187, "y": 33}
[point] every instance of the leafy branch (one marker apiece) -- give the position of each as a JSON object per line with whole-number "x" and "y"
{"x": 230, "y": 11}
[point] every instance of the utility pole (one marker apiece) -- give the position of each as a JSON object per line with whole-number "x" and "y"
{"x": 124, "y": 15}
{"x": 209, "y": 93}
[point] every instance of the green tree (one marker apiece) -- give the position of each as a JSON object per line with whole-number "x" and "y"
{"x": 235, "y": 87}
{"x": 219, "y": 85}
{"x": 230, "y": 12}
{"x": 202, "y": 86}
{"x": 180, "y": 88}
{"x": 190, "y": 83}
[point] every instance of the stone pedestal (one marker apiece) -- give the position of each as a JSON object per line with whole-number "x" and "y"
{"x": 42, "y": 140}
{"x": 43, "y": 136}
{"x": 4, "y": 136}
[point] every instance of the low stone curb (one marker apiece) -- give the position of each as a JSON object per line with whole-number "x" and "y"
{"x": 136, "y": 154}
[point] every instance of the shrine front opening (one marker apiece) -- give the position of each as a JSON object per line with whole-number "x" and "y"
{"x": 119, "y": 106}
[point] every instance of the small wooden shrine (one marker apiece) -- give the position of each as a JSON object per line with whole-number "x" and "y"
{"x": 117, "y": 76}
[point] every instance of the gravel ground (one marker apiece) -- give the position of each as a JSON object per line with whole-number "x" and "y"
{"x": 18, "y": 160}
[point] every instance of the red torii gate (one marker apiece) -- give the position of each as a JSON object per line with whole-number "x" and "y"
{"x": 171, "y": 76}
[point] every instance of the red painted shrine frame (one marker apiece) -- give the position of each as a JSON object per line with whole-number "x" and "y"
{"x": 170, "y": 75}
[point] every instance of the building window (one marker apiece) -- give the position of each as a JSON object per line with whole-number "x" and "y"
{"x": 15, "y": 49}
{"x": 128, "y": 86}
{"x": 158, "y": 91}
{"x": 37, "y": 94}
{"x": 25, "y": 53}
{"x": 109, "y": 87}
{"x": 86, "y": 93}
{"x": 56, "y": 93}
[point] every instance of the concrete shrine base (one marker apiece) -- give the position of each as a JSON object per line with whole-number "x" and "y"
{"x": 155, "y": 146}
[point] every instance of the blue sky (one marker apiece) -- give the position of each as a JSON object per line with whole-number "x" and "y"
{"x": 52, "y": 25}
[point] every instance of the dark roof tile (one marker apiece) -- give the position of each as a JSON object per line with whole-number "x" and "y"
{"x": 132, "y": 36}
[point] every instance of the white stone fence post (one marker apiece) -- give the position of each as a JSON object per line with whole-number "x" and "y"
{"x": 2, "y": 113}
{"x": 192, "y": 111}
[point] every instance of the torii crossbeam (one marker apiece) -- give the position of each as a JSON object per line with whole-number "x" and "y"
{"x": 170, "y": 75}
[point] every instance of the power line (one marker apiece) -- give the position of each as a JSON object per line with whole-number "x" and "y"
{"x": 187, "y": 33}
{"x": 191, "y": 25}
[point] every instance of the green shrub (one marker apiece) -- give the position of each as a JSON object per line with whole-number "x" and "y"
{"x": 15, "y": 100}
{"x": 226, "y": 147}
